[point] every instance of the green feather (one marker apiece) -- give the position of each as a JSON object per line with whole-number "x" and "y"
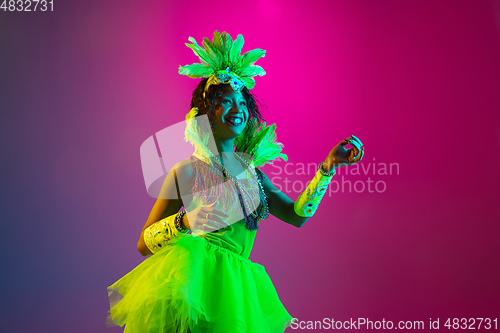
{"x": 217, "y": 39}
{"x": 248, "y": 81}
{"x": 220, "y": 43}
{"x": 198, "y": 50}
{"x": 211, "y": 52}
{"x": 207, "y": 41}
{"x": 208, "y": 49}
{"x": 253, "y": 70}
{"x": 217, "y": 56}
{"x": 220, "y": 46}
{"x": 192, "y": 113}
{"x": 235, "y": 52}
{"x": 252, "y": 56}
{"x": 192, "y": 131}
{"x": 196, "y": 70}
{"x": 228, "y": 41}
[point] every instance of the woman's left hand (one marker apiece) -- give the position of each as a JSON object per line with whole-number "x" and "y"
{"x": 340, "y": 156}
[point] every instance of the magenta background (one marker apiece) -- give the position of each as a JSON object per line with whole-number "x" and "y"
{"x": 417, "y": 81}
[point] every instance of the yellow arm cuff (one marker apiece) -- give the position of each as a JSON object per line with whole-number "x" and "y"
{"x": 308, "y": 201}
{"x": 158, "y": 234}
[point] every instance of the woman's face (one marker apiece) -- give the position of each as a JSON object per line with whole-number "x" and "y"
{"x": 231, "y": 114}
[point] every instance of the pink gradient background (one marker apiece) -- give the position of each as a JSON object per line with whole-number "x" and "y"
{"x": 417, "y": 81}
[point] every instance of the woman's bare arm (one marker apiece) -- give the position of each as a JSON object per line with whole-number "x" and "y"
{"x": 166, "y": 207}
{"x": 280, "y": 205}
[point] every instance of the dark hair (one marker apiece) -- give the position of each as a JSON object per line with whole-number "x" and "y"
{"x": 208, "y": 104}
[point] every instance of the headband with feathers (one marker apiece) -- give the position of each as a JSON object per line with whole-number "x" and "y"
{"x": 222, "y": 62}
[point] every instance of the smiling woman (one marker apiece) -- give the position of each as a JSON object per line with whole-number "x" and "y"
{"x": 200, "y": 278}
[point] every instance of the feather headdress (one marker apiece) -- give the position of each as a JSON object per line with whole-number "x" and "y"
{"x": 222, "y": 62}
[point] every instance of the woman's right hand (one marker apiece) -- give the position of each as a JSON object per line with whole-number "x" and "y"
{"x": 205, "y": 219}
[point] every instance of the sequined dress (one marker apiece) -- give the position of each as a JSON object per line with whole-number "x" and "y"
{"x": 201, "y": 283}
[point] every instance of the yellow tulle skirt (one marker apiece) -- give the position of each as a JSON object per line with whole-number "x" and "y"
{"x": 197, "y": 285}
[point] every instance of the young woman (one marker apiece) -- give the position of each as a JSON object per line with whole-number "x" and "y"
{"x": 199, "y": 278}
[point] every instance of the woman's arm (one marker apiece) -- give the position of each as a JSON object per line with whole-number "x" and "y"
{"x": 280, "y": 205}
{"x": 178, "y": 176}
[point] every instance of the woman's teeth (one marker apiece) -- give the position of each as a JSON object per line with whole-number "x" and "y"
{"x": 235, "y": 121}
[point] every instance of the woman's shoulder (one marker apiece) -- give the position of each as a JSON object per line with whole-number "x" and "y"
{"x": 184, "y": 168}
{"x": 184, "y": 175}
{"x": 187, "y": 169}
{"x": 266, "y": 183}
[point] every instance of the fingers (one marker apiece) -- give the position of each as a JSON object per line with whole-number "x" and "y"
{"x": 213, "y": 225}
{"x": 216, "y": 220}
{"x": 356, "y": 160}
{"x": 356, "y": 146}
{"x": 346, "y": 161}
{"x": 352, "y": 160}
{"x": 207, "y": 219}
{"x": 357, "y": 140}
{"x": 350, "y": 155}
{"x": 209, "y": 225}
{"x": 218, "y": 212}
{"x": 354, "y": 154}
{"x": 212, "y": 210}
{"x": 343, "y": 143}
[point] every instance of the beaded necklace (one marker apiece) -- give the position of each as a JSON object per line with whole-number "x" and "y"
{"x": 262, "y": 211}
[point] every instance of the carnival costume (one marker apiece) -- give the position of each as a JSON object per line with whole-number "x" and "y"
{"x": 206, "y": 283}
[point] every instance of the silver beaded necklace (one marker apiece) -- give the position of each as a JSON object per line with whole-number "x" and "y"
{"x": 252, "y": 219}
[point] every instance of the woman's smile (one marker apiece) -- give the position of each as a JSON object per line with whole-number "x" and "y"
{"x": 234, "y": 120}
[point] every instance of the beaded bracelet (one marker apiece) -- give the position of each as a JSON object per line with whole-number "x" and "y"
{"x": 323, "y": 172}
{"x": 178, "y": 222}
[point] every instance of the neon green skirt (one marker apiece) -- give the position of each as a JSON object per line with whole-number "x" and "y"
{"x": 199, "y": 285}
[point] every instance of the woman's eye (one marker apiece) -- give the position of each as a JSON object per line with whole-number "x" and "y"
{"x": 227, "y": 101}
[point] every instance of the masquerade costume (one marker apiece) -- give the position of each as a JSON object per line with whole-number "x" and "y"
{"x": 206, "y": 283}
